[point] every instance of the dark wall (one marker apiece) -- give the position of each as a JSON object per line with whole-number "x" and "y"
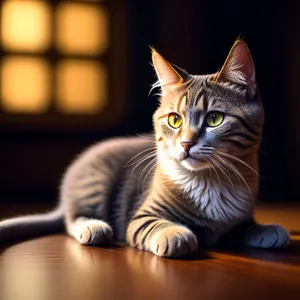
{"x": 197, "y": 36}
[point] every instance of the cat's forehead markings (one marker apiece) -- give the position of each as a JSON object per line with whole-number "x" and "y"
{"x": 199, "y": 99}
{"x": 194, "y": 117}
{"x": 188, "y": 88}
{"x": 194, "y": 92}
{"x": 182, "y": 103}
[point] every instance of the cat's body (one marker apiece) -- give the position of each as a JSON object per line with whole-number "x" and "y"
{"x": 185, "y": 186}
{"x": 108, "y": 171}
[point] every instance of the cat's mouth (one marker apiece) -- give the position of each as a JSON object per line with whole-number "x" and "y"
{"x": 193, "y": 163}
{"x": 197, "y": 159}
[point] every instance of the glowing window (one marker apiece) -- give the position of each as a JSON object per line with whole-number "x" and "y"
{"x": 53, "y": 61}
{"x": 25, "y": 25}
{"x": 25, "y": 85}
{"x": 81, "y": 87}
{"x": 81, "y": 29}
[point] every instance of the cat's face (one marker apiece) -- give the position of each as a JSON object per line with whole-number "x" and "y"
{"x": 203, "y": 119}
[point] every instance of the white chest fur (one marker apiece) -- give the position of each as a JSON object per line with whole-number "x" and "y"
{"x": 215, "y": 200}
{"x": 218, "y": 201}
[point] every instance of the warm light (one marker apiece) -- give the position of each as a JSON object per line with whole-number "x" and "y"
{"x": 25, "y": 25}
{"x": 81, "y": 87}
{"x": 24, "y": 85}
{"x": 81, "y": 29}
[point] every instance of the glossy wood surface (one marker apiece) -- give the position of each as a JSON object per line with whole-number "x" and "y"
{"x": 57, "y": 267}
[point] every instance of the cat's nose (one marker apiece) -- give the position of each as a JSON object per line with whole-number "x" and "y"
{"x": 187, "y": 145}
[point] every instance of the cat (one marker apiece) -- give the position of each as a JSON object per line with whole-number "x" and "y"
{"x": 187, "y": 186}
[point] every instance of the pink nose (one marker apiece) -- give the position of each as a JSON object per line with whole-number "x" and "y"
{"x": 187, "y": 145}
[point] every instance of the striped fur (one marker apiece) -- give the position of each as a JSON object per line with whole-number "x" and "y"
{"x": 159, "y": 196}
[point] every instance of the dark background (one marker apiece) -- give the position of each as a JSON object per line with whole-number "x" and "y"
{"x": 197, "y": 36}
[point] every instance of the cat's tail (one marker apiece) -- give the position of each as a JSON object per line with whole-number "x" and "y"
{"x": 25, "y": 227}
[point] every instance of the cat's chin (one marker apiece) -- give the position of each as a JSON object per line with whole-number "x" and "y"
{"x": 194, "y": 165}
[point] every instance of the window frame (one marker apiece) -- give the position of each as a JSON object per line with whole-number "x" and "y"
{"x": 115, "y": 61}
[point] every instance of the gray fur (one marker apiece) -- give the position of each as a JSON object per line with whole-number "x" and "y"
{"x": 159, "y": 196}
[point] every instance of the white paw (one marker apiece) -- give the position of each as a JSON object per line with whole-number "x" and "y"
{"x": 94, "y": 232}
{"x": 267, "y": 236}
{"x": 174, "y": 241}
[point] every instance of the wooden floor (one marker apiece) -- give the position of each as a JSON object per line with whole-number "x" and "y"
{"x": 57, "y": 267}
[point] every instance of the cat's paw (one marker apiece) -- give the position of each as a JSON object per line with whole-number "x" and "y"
{"x": 267, "y": 236}
{"x": 94, "y": 232}
{"x": 174, "y": 241}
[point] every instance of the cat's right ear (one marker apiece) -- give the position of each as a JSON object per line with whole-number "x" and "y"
{"x": 168, "y": 76}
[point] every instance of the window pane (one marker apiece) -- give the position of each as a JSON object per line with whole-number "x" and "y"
{"x": 81, "y": 29}
{"x": 25, "y": 25}
{"x": 24, "y": 85}
{"x": 81, "y": 87}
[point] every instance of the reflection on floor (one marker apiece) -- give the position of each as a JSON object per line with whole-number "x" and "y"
{"x": 57, "y": 267}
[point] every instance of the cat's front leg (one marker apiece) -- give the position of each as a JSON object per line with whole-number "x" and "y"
{"x": 269, "y": 236}
{"x": 174, "y": 241}
{"x": 252, "y": 234}
{"x": 161, "y": 237}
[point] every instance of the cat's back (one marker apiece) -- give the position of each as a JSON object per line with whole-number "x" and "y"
{"x": 108, "y": 159}
{"x": 114, "y": 153}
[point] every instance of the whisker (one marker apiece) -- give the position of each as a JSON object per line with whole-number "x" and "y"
{"x": 223, "y": 170}
{"x": 226, "y": 163}
{"x": 212, "y": 164}
{"x": 209, "y": 165}
{"x": 140, "y": 153}
{"x": 154, "y": 164}
{"x": 262, "y": 151}
{"x": 238, "y": 173}
{"x": 146, "y": 168}
{"x": 150, "y": 137}
{"x": 237, "y": 159}
{"x": 143, "y": 160}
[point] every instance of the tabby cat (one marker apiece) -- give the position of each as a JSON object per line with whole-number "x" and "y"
{"x": 187, "y": 186}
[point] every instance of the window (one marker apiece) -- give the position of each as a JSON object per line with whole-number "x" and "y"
{"x": 57, "y": 58}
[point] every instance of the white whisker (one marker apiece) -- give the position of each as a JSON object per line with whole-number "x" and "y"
{"x": 154, "y": 164}
{"x": 238, "y": 173}
{"x": 237, "y": 159}
{"x": 228, "y": 165}
{"x": 143, "y": 160}
{"x": 212, "y": 164}
{"x": 222, "y": 169}
{"x": 145, "y": 170}
{"x": 149, "y": 137}
{"x": 137, "y": 155}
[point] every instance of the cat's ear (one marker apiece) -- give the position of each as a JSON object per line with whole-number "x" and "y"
{"x": 239, "y": 67}
{"x": 168, "y": 75}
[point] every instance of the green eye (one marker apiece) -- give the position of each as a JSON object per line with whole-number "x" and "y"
{"x": 214, "y": 118}
{"x": 174, "y": 120}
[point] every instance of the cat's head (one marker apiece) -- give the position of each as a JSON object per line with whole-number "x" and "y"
{"x": 203, "y": 120}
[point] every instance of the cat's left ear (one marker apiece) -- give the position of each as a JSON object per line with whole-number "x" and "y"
{"x": 169, "y": 76}
{"x": 239, "y": 67}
